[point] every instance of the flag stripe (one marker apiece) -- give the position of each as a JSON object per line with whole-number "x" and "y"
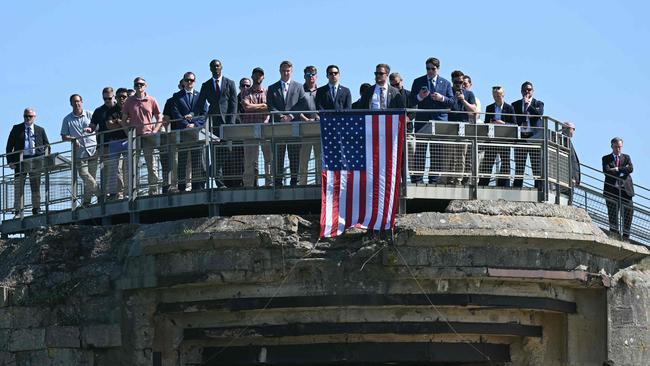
{"x": 323, "y": 203}
{"x": 375, "y": 171}
{"x": 342, "y": 202}
{"x": 349, "y": 197}
{"x": 389, "y": 170}
{"x": 335, "y": 202}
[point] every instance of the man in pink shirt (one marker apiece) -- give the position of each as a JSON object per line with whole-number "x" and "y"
{"x": 139, "y": 111}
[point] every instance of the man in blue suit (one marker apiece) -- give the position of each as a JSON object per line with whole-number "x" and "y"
{"x": 184, "y": 103}
{"x": 429, "y": 91}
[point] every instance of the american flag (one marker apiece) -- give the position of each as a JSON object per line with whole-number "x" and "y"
{"x": 362, "y": 160}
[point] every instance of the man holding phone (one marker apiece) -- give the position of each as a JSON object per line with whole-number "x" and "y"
{"x": 431, "y": 92}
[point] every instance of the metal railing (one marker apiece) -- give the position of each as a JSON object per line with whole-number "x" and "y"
{"x": 463, "y": 157}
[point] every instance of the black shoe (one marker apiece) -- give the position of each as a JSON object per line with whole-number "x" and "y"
{"x": 416, "y": 179}
{"x": 36, "y": 211}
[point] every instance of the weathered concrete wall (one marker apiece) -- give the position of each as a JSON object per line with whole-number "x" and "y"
{"x": 133, "y": 295}
{"x": 628, "y": 316}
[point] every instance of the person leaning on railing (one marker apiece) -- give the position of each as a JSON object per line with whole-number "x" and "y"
{"x": 619, "y": 188}
{"x": 76, "y": 127}
{"x": 26, "y": 144}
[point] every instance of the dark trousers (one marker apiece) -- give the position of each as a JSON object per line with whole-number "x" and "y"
{"x": 294, "y": 158}
{"x": 194, "y": 149}
{"x": 488, "y": 162}
{"x": 520, "y": 164}
{"x": 164, "y": 158}
{"x": 613, "y": 211}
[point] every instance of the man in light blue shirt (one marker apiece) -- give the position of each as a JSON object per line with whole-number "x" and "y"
{"x": 76, "y": 128}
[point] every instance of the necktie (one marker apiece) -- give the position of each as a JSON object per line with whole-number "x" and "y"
{"x": 382, "y": 98}
{"x": 333, "y": 91}
{"x": 432, "y": 87}
{"x": 526, "y": 112}
{"x": 217, "y": 88}
{"x": 189, "y": 99}
{"x": 285, "y": 91}
{"x": 617, "y": 161}
{"x": 30, "y": 137}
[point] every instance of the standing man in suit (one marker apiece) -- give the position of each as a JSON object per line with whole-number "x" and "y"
{"x": 397, "y": 82}
{"x": 184, "y": 103}
{"x": 221, "y": 93}
{"x": 382, "y": 95}
{"x": 429, "y": 91}
{"x": 333, "y": 95}
{"x": 32, "y": 141}
{"x": 497, "y": 113}
{"x": 529, "y": 119}
{"x": 619, "y": 188}
{"x": 286, "y": 95}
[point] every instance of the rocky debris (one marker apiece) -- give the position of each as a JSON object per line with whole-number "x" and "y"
{"x": 510, "y": 208}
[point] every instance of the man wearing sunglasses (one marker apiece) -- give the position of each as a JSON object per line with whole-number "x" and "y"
{"x": 382, "y": 95}
{"x": 184, "y": 103}
{"x": 429, "y": 91}
{"x": 117, "y": 168}
{"x": 529, "y": 111}
{"x": 142, "y": 112}
{"x": 98, "y": 123}
{"x": 26, "y": 145}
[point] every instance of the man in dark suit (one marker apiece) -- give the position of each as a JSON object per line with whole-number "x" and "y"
{"x": 619, "y": 188}
{"x": 568, "y": 129}
{"x": 429, "y": 91}
{"x": 286, "y": 95}
{"x": 529, "y": 111}
{"x": 184, "y": 102}
{"x": 221, "y": 93}
{"x": 396, "y": 81}
{"x": 498, "y": 113}
{"x": 333, "y": 96}
{"x": 382, "y": 95}
{"x": 26, "y": 145}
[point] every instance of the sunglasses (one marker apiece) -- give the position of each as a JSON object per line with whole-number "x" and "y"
{"x": 333, "y": 73}
{"x": 377, "y": 73}
{"x": 122, "y": 96}
{"x": 189, "y": 80}
{"x": 432, "y": 68}
{"x": 29, "y": 115}
{"x": 107, "y": 98}
{"x": 310, "y": 74}
{"x": 139, "y": 85}
{"x": 245, "y": 86}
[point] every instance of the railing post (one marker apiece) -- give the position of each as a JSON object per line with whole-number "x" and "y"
{"x": 46, "y": 164}
{"x": 621, "y": 218}
{"x": 73, "y": 174}
{"x": 131, "y": 164}
{"x": 544, "y": 161}
{"x": 209, "y": 150}
{"x": 473, "y": 181}
{"x": 557, "y": 164}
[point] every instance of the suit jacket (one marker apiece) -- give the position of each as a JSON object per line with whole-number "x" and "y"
{"x": 295, "y": 99}
{"x": 223, "y": 103}
{"x": 393, "y": 98}
{"x": 535, "y": 109}
{"x": 16, "y": 141}
{"x": 324, "y": 98}
{"x": 623, "y": 176}
{"x": 443, "y": 86}
{"x": 575, "y": 167}
{"x": 507, "y": 112}
{"x": 181, "y": 108}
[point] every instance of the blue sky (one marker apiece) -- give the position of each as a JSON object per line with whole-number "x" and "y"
{"x": 586, "y": 59}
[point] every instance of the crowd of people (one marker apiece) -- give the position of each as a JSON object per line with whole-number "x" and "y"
{"x": 286, "y": 100}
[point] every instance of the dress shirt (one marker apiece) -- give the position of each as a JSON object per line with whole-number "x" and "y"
{"x": 29, "y": 135}
{"x": 497, "y": 111}
{"x": 376, "y": 100}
